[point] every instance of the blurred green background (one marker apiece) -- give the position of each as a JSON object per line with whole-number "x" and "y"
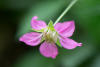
{"x": 15, "y": 17}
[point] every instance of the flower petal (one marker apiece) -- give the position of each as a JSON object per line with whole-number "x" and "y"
{"x": 65, "y": 29}
{"x": 37, "y": 24}
{"x": 31, "y": 38}
{"x": 69, "y": 43}
{"x": 49, "y": 50}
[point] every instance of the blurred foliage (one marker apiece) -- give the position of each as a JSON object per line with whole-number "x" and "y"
{"x": 15, "y": 17}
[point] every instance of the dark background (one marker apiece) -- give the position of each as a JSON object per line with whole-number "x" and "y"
{"x": 15, "y": 17}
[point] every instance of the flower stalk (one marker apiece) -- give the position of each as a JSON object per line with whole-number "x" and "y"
{"x": 66, "y": 10}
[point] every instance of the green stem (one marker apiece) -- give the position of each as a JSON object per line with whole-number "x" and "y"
{"x": 65, "y": 11}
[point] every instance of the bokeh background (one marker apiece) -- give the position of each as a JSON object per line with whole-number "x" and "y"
{"x": 15, "y": 17}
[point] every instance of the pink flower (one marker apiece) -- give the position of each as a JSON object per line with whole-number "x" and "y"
{"x": 50, "y": 34}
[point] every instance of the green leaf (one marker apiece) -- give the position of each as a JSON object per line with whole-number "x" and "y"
{"x": 58, "y": 43}
{"x": 50, "y": 24}
{"x": 42, "y": 39}
{"x": 42, "y": 30}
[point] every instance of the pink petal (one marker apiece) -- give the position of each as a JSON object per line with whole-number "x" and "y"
{"x": 69, "y": 43}
{"x": 37, "y": 24}
{"x": 49, "y": 50}
{"x": 65, "y": 29}
{"x": 31, "y": 38}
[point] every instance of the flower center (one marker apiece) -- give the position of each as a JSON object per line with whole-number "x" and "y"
{"x": 50, "y": 35}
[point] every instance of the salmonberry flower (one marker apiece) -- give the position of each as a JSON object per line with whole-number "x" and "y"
{"x": 50, "y": 36}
